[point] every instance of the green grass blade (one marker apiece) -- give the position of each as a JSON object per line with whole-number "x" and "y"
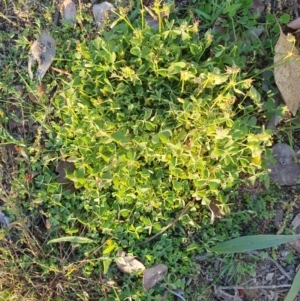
{"x": 73, "y": 239}
{"x": 291, "y": 296}
{"x": 252, "y": 242}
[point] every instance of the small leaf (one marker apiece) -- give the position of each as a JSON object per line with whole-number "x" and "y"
{"x": 254, "y": 95}
{"x": 143, "y": 69}
{"x": 135, "y": 51}
{"x": 106, "y": 264}
{"x": 120, "y": 137}
{"x": 253, "y": 242}
{"x": 176, "y": 67}
{"x": 163, "y": 72}
{"x": 165, "y": 135}
{"x": 73, "y": 159}
{"x": 111, "y": 245}
{"x": 284, "y": 18}
{"x": 125, "y": 212}
{"x": 72, "y": 239}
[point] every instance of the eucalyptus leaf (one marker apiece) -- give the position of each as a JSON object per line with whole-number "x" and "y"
{"x": 295, "y": 288}
{"x": 252, "y": 242}
{"x": 72, "y": 239}
{"x": 106, "y": 265}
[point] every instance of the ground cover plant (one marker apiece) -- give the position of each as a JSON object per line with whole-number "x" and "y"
{"x": 136, "y": 140}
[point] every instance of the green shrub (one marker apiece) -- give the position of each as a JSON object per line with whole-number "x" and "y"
{"x": 150, "y": 120}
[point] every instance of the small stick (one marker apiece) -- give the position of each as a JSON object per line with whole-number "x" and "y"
{"x": 185, "y": 209}
{"x": 55, "y": 18}
{"x": 175, "y": 294}
{"x": 80, "y": 6}
{"x": 7, "y": 19}
{"x": 239, "y": 287}
{"x": 280, "y": 268}
{"x": 253, "y": 279}
{"x": 288, "y": 212}
{"x": 61, "y": 71}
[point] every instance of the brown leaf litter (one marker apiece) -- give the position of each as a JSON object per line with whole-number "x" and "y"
{"x": 128, "y": 264}
{"x": 42, "y": 51}
{"x": 286, "y": 169}
{"x": 287, "y": 71}
{"x": 62, "y": 168}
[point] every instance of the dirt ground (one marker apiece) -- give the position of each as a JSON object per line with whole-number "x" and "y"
{"x": 271, "y": 277}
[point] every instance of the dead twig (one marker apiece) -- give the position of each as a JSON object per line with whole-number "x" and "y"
{"x": 240, "y": 287}
{"x": 280, "y": 268}
{"x": 80, "y": 6}
{"x": 61, "y": 71}
{"x": 7, "y": 19}
{"x": 253, "y": 279}
{"x": 178, "y": 295}
{"x": 289, "y": 210}
{"x": 185, "y": 209}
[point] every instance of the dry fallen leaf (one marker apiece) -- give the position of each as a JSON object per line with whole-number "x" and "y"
{"x": 287, "y": 71}
{"x": 217, "y": 210}
{"x": 285, "y": 170}
{"x": 4, "y": 220}
{"x": 269, "y": 277}
{"x": 128, "y": 264}
{"x": 296, "y": 227}
{"x": 6, "y": 151}
{"x": 222, "y": 295}
{"x": 62, "y": 168}
{"x": 67, "y": 9}
{"x": 296, "y": 222}
{"x": 295, "y": 24}
{"x": 42, "y": 51}
{"x": 153, "y": 275}
{"x": 101, "y": 13}
{"x": 21, "y": 151}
